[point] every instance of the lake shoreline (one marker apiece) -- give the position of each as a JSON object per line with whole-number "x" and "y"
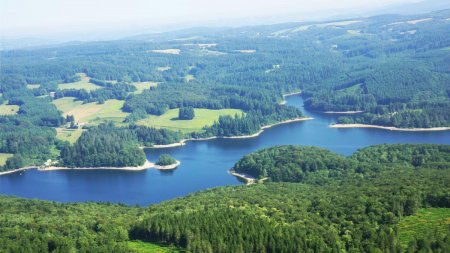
{"x": 147, "y": 165}
{"x": 248, "y": 180}
{"x": 390, "y": 128}
{"x": 343, "y": 112}
{"x": 167, "y": 167}
{"x": 183, "y": 142}
{"x": 17, "y": 170}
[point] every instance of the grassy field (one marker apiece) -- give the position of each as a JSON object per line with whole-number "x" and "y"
{"x": 166, "y": 51}
{"x": 83, "y": 84}
{"x": 141, "y": 86}
{"x": 424, "y": 221}
{"x": 145, "y": 247}
{"x": 189, "y": 77}
{"x": 92, "y": 113}
{"x": 33, "y": 86}
{"x": 8, "y": 109}
{"x": 4, "y": 157}
{"x": 70, "y": 135}
{"x": 162, "y": 69}
{"x": 203, "y": 117}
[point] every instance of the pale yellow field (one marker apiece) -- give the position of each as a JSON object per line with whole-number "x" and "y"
{"x": 8, "y": 109}
{"x": 166, "y": 51}
{"x": 83, "y": 84}
{"x": 189, "y": 77}
{"x": 4, "y": 157}
{"x": 203, "y": 117}
{"x": 339, "y": 23}
{"x": 33, "y": 86}
{"x": 70, "y": 135}
{"x": 92, "y": 113}
{"x": 162, "y": 69}
{"x": 247, "y": 51}
{"x": 141, "y": 86}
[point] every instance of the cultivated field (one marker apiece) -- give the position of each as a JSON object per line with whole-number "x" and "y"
{"x": 166, "y": 51}
{"x": 247, "y": 51}
{"x": 83, "y": 84}
{"x": 33, "y": 86}
{"x": 8, "y": 109}
{"x": 141, "y": 86}
{"x": 189, "y": 77}
{"x": 70, "y": 135}
{"x": 92, "y": 113}
{"x": 4, "y": 157}
{"x": 203, "y": 117}
{"x": 162, "y": 69}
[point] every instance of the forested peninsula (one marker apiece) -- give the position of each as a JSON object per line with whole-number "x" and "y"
{"x": 385, "y": 198}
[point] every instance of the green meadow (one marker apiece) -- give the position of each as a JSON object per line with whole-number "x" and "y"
{"x": 92, "y": 113}
{"x": 203, "y": 117}
{"x": 82, "y": 84}
{"x": 4, "y": 157}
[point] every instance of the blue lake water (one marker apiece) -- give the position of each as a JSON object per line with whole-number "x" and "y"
{"x": 204, "y": 164}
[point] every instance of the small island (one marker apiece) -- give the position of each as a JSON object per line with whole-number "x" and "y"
{"x": 166, "y": 162}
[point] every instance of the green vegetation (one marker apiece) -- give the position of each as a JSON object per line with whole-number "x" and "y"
{"x": 146, "y": 247}
{"x": 165, "y": 160}
{"x": 372, "y": 206}
{"x": 203, "y": 117}
{"x": 186, "y": 113}
{"x": 291, "y": 163}
{"x": 424, "y": 222}
{"x": 104, "y": 146}
{"x": 4, "y": 157}
{"x": 6, "y": 109}
{"x": 300, "y": 164}
{"x": 82, "y": 84}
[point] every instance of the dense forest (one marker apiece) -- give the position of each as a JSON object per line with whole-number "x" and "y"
{"x": 363, "y": 208}
{"x": 393, "y": 69}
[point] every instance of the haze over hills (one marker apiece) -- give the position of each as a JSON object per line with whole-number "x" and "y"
{"x": 117, "y": 31}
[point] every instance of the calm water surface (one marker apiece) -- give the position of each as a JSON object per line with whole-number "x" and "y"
{"x": 204, "y": 164}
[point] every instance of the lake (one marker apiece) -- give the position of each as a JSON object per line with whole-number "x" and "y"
{"x": 204, "y": 164}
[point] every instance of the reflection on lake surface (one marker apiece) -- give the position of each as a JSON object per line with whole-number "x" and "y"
{"x": 204, "y": 164}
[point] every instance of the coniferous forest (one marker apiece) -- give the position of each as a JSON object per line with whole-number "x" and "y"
{"x": 314, "y": 201}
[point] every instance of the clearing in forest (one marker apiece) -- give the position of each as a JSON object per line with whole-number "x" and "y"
{"x": 141, "y": 86}
{"x": 166, "y": 51}
{"x": 6, "y": 109}
{"x": 423, "y": 222}
{"x": 143, "y": 247}
{"x": 4, "y": 157}
{"x": 70, "y": 135}
{"x": 92, "y": 113}
{"x": 82, "y": 84}
{"x": 203, "y": 117}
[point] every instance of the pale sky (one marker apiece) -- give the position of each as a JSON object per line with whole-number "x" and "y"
{"x": 31, "y": 17}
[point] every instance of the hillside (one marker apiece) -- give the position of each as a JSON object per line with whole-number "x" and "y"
{"x": 392, "y": 69}
{"x": 369, "y": 208}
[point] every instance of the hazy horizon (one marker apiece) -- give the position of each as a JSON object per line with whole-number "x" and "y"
{"x": 22, "y": 18}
